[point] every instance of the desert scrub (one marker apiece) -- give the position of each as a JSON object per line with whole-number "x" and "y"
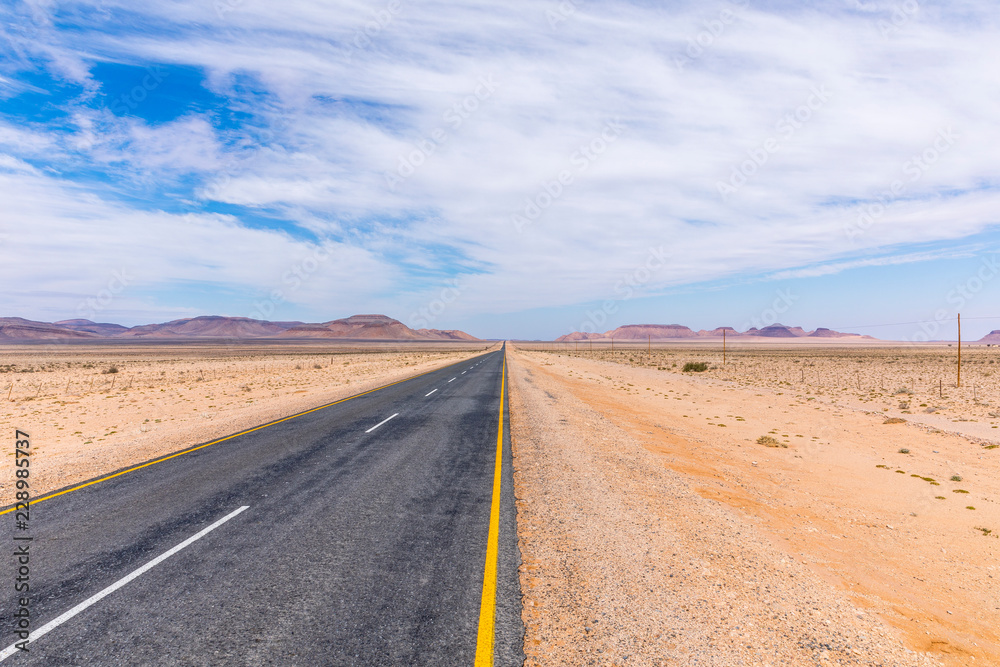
{"x": 894, "y": 420}
{"x": 956, "y": 478}
{"x": 695, "y": 367}
{"x": 904, "y": 450}
{"x": 110, "y": 369}
{"x": 768, "y": 441}
{"x": 959, "y": 491}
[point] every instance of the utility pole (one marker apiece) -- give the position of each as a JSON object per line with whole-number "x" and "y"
{"x": 959, "y": 350}
{"x": 723, "y": 346}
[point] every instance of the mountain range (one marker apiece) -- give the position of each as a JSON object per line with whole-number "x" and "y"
{"x": 372, "y": 327}
{"x": 678, "y": 332}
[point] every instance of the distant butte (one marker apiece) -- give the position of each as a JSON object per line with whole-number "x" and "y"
{"x": 678, "y": 332}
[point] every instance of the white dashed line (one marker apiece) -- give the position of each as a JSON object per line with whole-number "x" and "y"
{"x": 381, "y": 422}
{"x": 59, "y": 620}
{"x": 452, "y": 380}
{"x": 429, "y": 393}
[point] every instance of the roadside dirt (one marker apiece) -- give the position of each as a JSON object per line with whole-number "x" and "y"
{"x": 655, "y": 530}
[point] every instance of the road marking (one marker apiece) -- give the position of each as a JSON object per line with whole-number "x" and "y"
{"x": 35, "y": 501}
{"x": 59, "y": 620}
{"x": 452, "y": 380}
{"x": 429, "y": 393}
{"x": 487, "y": 607}
{"x": 381, "y": 422}
{"x": 464, "y": 372}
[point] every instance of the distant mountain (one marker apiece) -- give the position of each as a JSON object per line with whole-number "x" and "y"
{"x": 678, "y": 332}
{"x": 829, "y": 333}
{"x": 635, "y": 332}
{"x": 356, "y": 326}
{"x": 209, "y": 326}
{"x": 101, "y": 329}
{"x": 17, "y": 328}
{"x": 214, "y": 326}
{"x": 780, "y": 331}
{"x": 371, "y": 327}
{"x": 991, "y": 337}
{"x": 446, "y": 334}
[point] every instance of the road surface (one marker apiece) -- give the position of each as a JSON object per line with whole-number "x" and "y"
{"x": 355, "y": 534}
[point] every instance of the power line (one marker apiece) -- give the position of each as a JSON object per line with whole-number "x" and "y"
{"x": 900, "y": 324}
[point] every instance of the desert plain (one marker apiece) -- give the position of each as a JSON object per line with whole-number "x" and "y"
{"x": 810, "y": 504}
{"x": 797, "y": 504}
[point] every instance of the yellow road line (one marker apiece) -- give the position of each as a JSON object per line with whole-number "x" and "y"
{"x": 487, "y": 607}
{"x": 228, "y": 437}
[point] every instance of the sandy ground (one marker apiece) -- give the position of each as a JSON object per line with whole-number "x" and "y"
{"x": 85, "y": 420}
{"x": 656, "y": 530}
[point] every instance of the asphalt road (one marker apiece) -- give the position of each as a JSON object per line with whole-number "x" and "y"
{"x": 362, "y": 542}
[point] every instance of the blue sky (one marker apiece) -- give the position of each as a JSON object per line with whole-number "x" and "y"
{"x": 516, "y": 170}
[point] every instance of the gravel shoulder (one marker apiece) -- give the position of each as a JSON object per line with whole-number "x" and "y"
{"x": 647, "y": 540}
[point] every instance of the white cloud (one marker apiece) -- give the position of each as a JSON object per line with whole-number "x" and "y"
{"x": 347, "y": 114}
{"x": 65, "y": 244}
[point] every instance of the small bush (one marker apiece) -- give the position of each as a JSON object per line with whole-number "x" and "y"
{"x": 902, "y": 390}
{"x": 904, "y": 450}
{"x": 768, "y": 441}
{"x": 695, "y": 367}
{"x": 959, "y": 491}
{"x": 956, "y": 478}
{"x": 894, "y": 420}
{"x": 110, "y": 369}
